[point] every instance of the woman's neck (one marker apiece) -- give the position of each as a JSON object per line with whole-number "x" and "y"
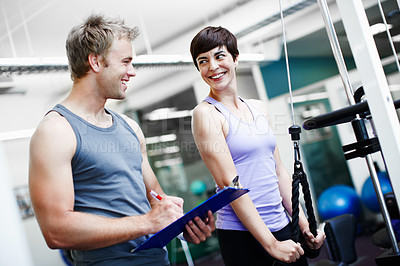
{"x": 228, "y": 98}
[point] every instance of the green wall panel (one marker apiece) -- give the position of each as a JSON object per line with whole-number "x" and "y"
{"x": 303, "y": 72}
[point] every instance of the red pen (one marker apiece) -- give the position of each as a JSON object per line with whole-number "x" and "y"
{"x": 155, "y": 195}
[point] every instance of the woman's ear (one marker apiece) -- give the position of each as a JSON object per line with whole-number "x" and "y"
{"x": 94, "y": 62}
{"x": 236, "y": 60}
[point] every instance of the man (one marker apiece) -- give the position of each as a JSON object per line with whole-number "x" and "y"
{"x": 89, "y": 175}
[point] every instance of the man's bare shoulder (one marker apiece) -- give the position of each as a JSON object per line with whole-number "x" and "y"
{"x": 136, "y": 128}
{"x": 132, "y": 123}
{"x": 53, "y": 121}
{"x": 53, "y": 126}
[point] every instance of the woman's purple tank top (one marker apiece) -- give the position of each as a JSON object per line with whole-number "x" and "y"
{"x": 252, "y": 145}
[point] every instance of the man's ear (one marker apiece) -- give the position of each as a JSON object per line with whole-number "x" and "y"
{"x": 94, "y": 62}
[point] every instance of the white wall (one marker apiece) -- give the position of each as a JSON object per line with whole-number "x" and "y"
{"x": 13, "y": 246}
{"x": 20, "y": 112}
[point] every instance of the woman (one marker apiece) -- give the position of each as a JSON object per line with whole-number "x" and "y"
{"x": 234, "y": 137}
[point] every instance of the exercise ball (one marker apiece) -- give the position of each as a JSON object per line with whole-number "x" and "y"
{"x": 338, "y": 200}
{"x": 197, "y": 187}
{"x": 368, "y": 195}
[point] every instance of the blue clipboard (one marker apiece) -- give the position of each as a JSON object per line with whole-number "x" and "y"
{"x": 214, "y": 203}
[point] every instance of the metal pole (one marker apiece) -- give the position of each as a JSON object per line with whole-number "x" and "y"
{"x": 381, "y": 201}
{"x": 337, "y": 53}
{"x": 377, "y": 92}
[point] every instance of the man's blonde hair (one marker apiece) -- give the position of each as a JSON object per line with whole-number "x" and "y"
{"x": 94, "y": 36}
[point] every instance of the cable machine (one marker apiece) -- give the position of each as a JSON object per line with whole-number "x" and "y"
{"x": 380, "y": 105}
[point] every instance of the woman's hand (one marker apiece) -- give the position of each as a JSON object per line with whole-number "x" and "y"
{"x": 286, "y": 251}
{"x": 314, "y": 242}
{"x": 199, "y": 230}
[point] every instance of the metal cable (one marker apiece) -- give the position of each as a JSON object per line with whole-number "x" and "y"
{"x": 287, "y": 62}
{"x": 388, "y": 34}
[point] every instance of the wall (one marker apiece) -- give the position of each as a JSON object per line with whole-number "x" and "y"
{"x": 21, "y": 112}
{"x": 13, "y": 245}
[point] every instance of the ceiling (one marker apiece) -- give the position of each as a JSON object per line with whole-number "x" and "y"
{"x": 38, "y": 28}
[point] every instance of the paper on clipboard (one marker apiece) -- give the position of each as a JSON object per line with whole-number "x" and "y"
{"x": 214, "y": 203}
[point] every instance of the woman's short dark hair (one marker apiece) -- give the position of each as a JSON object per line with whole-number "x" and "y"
{"x": 211, "y": 37}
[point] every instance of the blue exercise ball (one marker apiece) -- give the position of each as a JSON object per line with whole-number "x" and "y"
{"x": 198, "y": 187}
{"x": 338, "y": 200}
{"x": 368, "y": 195}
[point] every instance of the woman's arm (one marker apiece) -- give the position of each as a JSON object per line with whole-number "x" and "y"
{"x": 208, "y": 130}
{"x": 284, "y": 179}
{"x": 285, "y": 188}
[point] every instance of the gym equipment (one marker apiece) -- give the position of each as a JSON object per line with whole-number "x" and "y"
{"x": 197, "y": 187}
{"x": 340, "y": 234}
{"x": 299, "y": 176}
{"x": 385, "y": 117}
{"x": 340, "y": 116}
{"x": 388, "y": 35}
{"x": 381, "y": 237}
{"x": 374, "y": 80}
{"x": 338, "y": 200}
{"x": 392, "y": 206}
{"x": 368, "y": 195}
{"x": 186, "y": 250}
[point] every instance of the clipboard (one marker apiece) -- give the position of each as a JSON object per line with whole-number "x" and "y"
{"x": 214, "y": 203}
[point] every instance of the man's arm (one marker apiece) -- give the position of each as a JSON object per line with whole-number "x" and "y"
{"x": 51, "y": 187}
{"x": 197, "y": 230}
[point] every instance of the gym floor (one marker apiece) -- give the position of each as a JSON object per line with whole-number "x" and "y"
{"x": 366, "y": 252}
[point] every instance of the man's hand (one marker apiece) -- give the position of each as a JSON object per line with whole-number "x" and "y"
{"x": 199, "y": 230}
{"x": 164, "y": 212}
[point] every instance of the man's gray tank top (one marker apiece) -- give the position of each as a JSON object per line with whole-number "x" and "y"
{"x": 108, "y": 181}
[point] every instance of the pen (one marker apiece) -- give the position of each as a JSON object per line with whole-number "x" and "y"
{"x": 155, "y": 195}
{"x": 235, "y": 182}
